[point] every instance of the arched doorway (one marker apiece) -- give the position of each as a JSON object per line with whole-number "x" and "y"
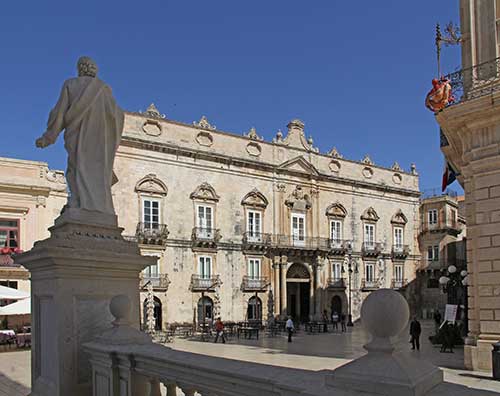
{"x": 298, "y": 288}
{"x": 205, "y": 310}
{"x": 157, "y": 312}
{"x": 254, "y": 309}
{"x": 337, "y": 305}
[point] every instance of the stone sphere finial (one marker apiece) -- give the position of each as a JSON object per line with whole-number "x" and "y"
{"x": 119, "y": 307}
{"x": 86, "y": 67}
{"x": 384, "y": 314}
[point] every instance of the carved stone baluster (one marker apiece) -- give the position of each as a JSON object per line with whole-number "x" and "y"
{"x": 154, "y": 387}
{"x": 171, "y": 389}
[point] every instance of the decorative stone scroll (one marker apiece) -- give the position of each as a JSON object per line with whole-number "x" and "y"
{"x": 252, "y": 134}
{"x": 367, "y": 172}
{"x": 255, "y": 199}
{"x": 152, "y": 112}
{"x": 367, "y": 160}
{"x": 204, "y": 139}
{"x": 205, "y": 192}
{"x": 334, "y": 153}
{"x": 254, "y": 149}
{"x": 150, "y": 184}
{"x": 204, "y": 124}
{"x": 370, "y": 215}
{"x": 335, "y": 166}
{"x": 396, "y": 167}
{"x": 152, "y": 128}
{"x": 336, "y": 210}
{"x": 399, "y": 218}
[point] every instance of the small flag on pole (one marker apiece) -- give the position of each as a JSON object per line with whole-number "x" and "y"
{"x": 449, "y": 176}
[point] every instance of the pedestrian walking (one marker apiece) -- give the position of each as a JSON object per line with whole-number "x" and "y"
{"x": 342, "y": 322}
{"x": 219, "y": 331}
{"x": 447, "y": 337}
{"x": 415, "y": 330}
{"x": 325, "y": 321}
{"x": 335, "y": 320}
{"x": 289, "y": 328}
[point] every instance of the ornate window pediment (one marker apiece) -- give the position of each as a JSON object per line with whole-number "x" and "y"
{"x": 336, "y": 210}
{"x": 205, "y": 192}
{"x": 298, "y": 200}
{"x": 150, "y": 184}
{"x": 255, "y": 199}
{"x": 399, "y": 218}
{"x": 370, "y": 215}
{"x": 299, "y": 164}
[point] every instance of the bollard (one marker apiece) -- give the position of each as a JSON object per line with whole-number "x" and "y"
{"x": 495, "y": 357}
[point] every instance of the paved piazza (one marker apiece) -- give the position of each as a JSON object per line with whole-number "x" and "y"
{"x": 310, "y": 352}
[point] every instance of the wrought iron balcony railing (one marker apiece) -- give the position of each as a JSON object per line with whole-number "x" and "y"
{"x": 371, "y": 248}
{"x": 336, "y": 283}
{"x": 151, "y": 233}
{"x": 398, "y": 283}
{"x": 440, "y": 226}
{"x": 253, "y": 284}
{"x": 370, "y": 284}
{"x": 159, "y": 281}
{"x": 301, "y": 242}
{"x": 480, "y": 80}
{"x": 400, "y": 251}
{"x": 205, "y": 237}
{"x": 204, "y": 283}
{"x": 256, "y": 241}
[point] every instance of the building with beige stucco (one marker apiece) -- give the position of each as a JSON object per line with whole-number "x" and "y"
{"x": 244, "y": 228}
{"x": 31, "y": 197}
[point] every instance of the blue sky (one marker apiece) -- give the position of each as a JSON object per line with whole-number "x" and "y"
{"x": 355, "y": 72}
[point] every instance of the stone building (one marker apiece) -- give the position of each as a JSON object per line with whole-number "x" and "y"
{"x": 245, "y": 228}
{"x": 441, "y": 237}
{"x": 471, "y": 144}
{"x": 31, "y": 197}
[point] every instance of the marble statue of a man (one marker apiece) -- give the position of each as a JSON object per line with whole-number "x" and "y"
{"x": 93, "y": 125}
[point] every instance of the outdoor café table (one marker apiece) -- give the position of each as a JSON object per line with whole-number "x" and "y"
{"x": 248, "y": 332}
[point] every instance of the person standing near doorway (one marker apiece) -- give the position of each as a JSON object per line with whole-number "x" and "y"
{"x": 335, "y": 320}
{"x": 325, "y": 321}
{"x": 219, "y": 331}
{"x": 289, "y": 328}
{"x": 342, "y": 322}
{"x": 415, "y": 330}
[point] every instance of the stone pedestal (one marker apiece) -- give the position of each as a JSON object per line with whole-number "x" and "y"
{"x": 383, "y": 371}
{"x": 74, "y": 275}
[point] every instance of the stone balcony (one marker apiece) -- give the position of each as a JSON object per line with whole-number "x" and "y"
{"x": 251, "y": 284}
{"x": 159, "y": 281}
{"x": 256, "y": 241}
{"x": 400, "y": 251}
{"x": 304, "y": 243}
{"x": 339, "y": 247}
{"x": 205, "y": 238}
{"x": 398, "y": 283}
{"x": 151, "y": 233}
{"x": 448, "y": 226}
{"x": 204, "y": 283}
{"x": 336, "y": 283}
{"x": 371, "y": 249}
{"x": 370, "y": 284}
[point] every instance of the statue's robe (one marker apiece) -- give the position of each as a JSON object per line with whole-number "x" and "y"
{"x": 93, "y": 125}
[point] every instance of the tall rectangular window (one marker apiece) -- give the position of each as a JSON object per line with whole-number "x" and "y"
{"x": 433, "y": 216}
{"x": 430, "y": 253}
{"x": 436, "y": 253}
{"x": 370, "y": 235}
{"x": 336, "y": 230}
{"x": 151, "y": 213}
{"x": 398, "y": 238}
{"x": 254, "y": 268}
{"x": 9, "y": 233}
{"x": 205, "y": 267}
{"x": 254, "y": 225}
{"x": 398, "y": 273}
{"x": 337, "y": 271}
{"x": 370, "y": 272}
{"x": 204, "y": 220}
{"x": 298, "y": 228}
{"x": 151, "y": 271}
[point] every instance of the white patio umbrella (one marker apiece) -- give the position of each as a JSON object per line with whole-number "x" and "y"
{"x": 8, "y": 293}
{"x": 21, "y": 307}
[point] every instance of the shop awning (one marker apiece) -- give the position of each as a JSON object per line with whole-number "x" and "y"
{"x": 21, "y": 307}
{"x": 8, "y": 293}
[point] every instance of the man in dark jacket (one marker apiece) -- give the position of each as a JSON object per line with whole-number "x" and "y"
{"x": 415, "y": 330}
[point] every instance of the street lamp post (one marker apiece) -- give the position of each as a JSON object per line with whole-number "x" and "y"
{"x": 453, "y": 283}
{"x": 351, "y": 267}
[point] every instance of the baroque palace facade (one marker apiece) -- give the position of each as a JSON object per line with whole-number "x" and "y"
{"x": 245, "y": 229}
